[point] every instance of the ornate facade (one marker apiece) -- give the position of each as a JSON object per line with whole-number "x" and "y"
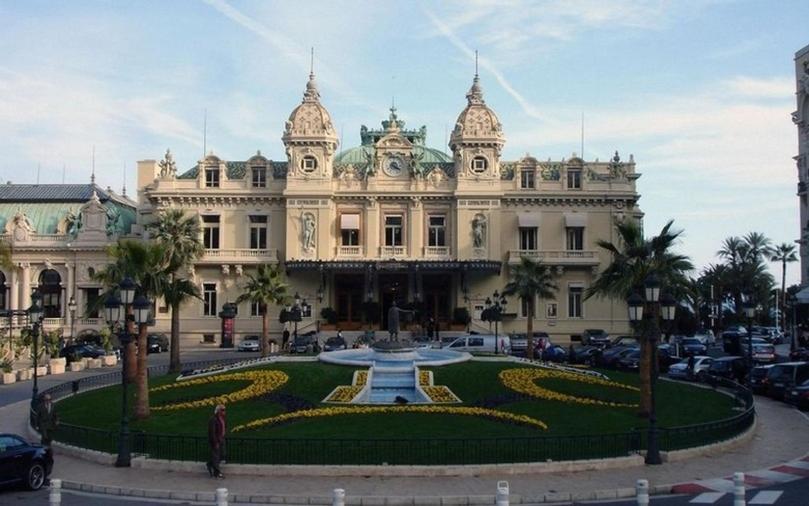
{"x": 394, "y": 219}
{"x": 801, "y": 119}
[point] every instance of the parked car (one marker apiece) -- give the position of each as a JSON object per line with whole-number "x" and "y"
{"x": 250, "y": 343}
{"x": 595, "y": 337}
{"x": 783, "y": 377}
{"x": 83, "y": 350}
{"x": 764, "y": 353}
{"x": 631, "y": 361}
{"x": 611, "y": 356}
{"x": 733, "y": 368}
{"x": 304, "y": 343}
{"x": 161, "y": 340}
{"x": 334, "y": 344}
{"x": 706, "y": 337}
{"x": 555, "y": 353}
{"x": 586, "y": 355}
{"x": 692, "y": 346}
{"x": 800, "y": 354}
{"x": 23, "y": 462}
{"x": 799, "y": 396}
{"x": 680, "y": 369}
{"x": 479, "y": 343}
{"x": 519, "y": 343}
{"x": 758, "y": 378}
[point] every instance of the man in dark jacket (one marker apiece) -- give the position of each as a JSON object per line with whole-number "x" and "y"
{"x": 46, "y": 420}
{"x": 216, "y": 441}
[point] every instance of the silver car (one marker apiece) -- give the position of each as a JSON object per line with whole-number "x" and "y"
{"x": 680, "y": 369}
{"x": 250, "y": 343}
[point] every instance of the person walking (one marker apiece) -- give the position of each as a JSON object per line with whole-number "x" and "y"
{"x": 285, "y": 339}
{"x": 216, "y": 441}
{"x": 47, "y": 420}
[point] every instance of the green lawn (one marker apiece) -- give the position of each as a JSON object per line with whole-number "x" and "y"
{"x": 474, "y": 382}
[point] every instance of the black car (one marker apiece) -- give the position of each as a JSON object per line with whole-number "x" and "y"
{"x": 611, "y": 356}
{"x": 800, "y": 354}
{"x": 595, "y": 337}
{"x": 304, "y": 343}
{"x": 630, "y": 361}
{"x": 586, "y": 355}
{"x": 334, "y": 344}
{"x": 758, "y": 378}
{"x": 155, "y": 343}
{"x": 732, "y": 368}
{"x": 693, "y": 346}
{"x": 783, "y": 377}
{"x": 799, "y": 396}
{"x": 81, "y": 350}
{"x": 21, "y": 462}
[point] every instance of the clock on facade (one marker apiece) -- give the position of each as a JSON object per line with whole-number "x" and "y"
{"x": 394, "y": 166}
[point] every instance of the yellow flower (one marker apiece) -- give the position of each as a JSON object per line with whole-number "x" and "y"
{"x": 363, "y": 410}
{"x": 524, "y": 381}
{"x": 262, "y": 383}
{"x": 440, "y": 394}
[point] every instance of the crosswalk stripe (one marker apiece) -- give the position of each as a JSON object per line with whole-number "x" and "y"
{"x": 766, "y": 497}
{"x": 707, "y": 498}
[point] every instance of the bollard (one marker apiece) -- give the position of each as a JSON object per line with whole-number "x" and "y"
{"x": 502, "y": 493}
{"x": 55, "y": 497}
{"x": 221, "y": 497}
{"x": 339, "y": 497}
{"x": 642, "y": 492}
{"x": 738, "y": 489}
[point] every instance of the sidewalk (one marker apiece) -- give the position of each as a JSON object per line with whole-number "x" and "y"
{"x": 781, "y": 435}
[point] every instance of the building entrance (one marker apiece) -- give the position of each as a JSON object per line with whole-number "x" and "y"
{"x": 348, "y": 290}
{"x": 437, "y": 297}
{"x": 391, "y": 287}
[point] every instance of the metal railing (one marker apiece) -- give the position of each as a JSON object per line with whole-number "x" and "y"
{"x": 416, "y": 451}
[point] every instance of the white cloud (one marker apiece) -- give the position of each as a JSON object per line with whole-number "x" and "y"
{"x": 776, "y": 87}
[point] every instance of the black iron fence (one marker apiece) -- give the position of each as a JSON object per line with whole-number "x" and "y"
{"x": 422, "y": 451}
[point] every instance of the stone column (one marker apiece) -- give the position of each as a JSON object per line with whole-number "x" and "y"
{"x": 71, "y": 290}
{"x": 372, "y": 229}
{"x": 14, "y": 289}
{"x": 25, "y": 295}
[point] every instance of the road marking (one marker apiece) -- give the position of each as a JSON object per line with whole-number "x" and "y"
{"x": 707, "y": 498}
{"x": 802, "y": 414}
{"x": 766, "y": 497}
{"x": 796, "y": 468}
{"x": 772, "y": 475}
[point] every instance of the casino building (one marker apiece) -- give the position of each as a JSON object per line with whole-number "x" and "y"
{"x": 394, "y": 219}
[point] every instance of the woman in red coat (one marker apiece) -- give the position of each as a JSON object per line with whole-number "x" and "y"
{"x": 216, "y": 441}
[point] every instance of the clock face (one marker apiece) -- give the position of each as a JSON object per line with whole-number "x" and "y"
{"x": 394, "y": 166}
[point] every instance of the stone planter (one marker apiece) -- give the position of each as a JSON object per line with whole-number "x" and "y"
{"x": 93, "y": 363}
{"x": 77, "y": 366}
{"x": 56, "y": 368}
{"x": 42, "y": 370}
{"x": 58, "y": 361}
{"x": 8, "y": 377}
{"x": 25, "y": 374}
{"x": 109, "y": 360}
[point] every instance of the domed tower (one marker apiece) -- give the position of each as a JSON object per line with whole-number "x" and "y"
{"x": 309, "y": 137}
{"x": 477, "y": 138}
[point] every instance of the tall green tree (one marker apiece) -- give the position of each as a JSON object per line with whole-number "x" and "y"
{"x": 784, "y": 253}
{"x": 179, "y": 234}
{"x": 146, "y": 264}
{"x": 266, "y": 287}
{"x": 531, "y": 280}
{"x": 633, "y": 260}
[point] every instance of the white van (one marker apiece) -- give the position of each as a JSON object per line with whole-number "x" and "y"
{"x": 478, "y": 343}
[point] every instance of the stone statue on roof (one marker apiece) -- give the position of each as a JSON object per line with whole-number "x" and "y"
{"x": 168, "y": 167}
{"x": 114, "y": 221}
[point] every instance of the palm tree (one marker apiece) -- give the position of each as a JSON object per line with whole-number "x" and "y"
{"x": 265, "y": 288}
{"x": 633, "y": 260}
{"x": 146, "y": 264}
{"x": 180, "y": 236}
{"x": 784, "y": 253}
{"x": 759, "y": 246}
{"x": 531, "y": 280}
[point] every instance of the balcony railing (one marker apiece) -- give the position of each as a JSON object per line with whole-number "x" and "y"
{"x": 392, "y": 251}
{"x": 436, "y": 251}
{"x": 349, "y": 251}
{"x": 239, "y": 255}
{"x": 555, "y": 257}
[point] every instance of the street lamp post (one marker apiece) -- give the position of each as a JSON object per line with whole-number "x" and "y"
{"x": 664, "y": 307}
{"x": 749, "y": 309}
{"x": 35, "y": 313}
{"x": 296, "y": 312}
{"x": 495, "y": 306}
{"x": 117, "y": 310}
{"x": 71, "y": 307}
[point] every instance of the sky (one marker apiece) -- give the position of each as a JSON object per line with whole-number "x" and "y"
{"x": 700, "y": 92}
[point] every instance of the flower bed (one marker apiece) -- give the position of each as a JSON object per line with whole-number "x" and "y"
{"x": 262, "y": 383}
{"x": 524, "y": 381}
{"x": 364, "y": 410}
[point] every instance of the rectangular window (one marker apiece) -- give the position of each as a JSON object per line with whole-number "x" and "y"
{"x": 436, "y": 234}
{"x": 575, "y": 238}
{"x": 306, "y": 311}
{"x": 255, "y": 309}
{"x": 258, "y": 232}
{"x": 527, "y": 178}
{"x": 259, "y": 177}
{"x": 393, "y": 231}
{"x": 574, "y": 295}
{"x": 90, "y": 303}
{"x": 528, "y": 238}
{"x": 209, "y": 299}
{"x": 525, "y": 305}
{"x": 574, "y": 179}
{"x": 210, "y": 231}
{"x": 350, "y": 229}
{"x": 212, "y": 177}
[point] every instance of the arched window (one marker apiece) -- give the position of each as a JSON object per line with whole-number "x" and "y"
{"x": 50, "y": 287}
